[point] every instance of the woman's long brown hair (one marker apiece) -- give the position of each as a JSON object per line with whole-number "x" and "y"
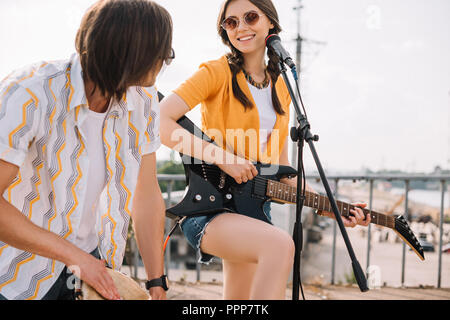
{"x": 236, "y": 60}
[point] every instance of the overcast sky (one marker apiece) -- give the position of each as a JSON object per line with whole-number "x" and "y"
{"x": 375, "y": 80}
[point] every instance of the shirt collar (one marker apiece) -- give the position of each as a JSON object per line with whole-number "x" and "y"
{"x": 76, "y": 80}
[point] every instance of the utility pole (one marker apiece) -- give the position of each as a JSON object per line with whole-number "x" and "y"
{"x": 298, "y": 62}
{"x": 299, "y": 47}
{"x": 299, "y": 39}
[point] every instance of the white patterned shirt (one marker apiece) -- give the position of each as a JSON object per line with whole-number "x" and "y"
{"x": 42, "y": 108}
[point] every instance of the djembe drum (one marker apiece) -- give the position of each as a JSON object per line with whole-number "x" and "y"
{"x": 128, "y": 288}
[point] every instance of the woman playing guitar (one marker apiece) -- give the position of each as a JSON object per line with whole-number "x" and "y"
{"x": 240, "y": 94}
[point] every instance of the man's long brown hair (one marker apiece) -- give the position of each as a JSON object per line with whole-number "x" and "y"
{"x": 121, "y": 41}
{"x": 236, "y": 60}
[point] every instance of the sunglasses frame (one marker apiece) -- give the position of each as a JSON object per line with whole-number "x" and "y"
{"x": 238, "y": 20}
{"x": 170, "y": 59}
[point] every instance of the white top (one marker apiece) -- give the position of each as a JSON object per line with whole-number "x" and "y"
{"x": 267, "y": 115}
{"x": 92, "y": 128}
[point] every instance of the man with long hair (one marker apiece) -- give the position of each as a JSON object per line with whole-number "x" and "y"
{"x": 77, "y": 157}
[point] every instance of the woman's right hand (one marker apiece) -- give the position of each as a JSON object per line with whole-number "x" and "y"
{"x": 239, "y": 169}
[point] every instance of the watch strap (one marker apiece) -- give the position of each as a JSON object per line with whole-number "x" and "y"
{"x": 158, "y": 282}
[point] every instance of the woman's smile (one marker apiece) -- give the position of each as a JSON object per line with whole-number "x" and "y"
{"x": 246, "y": 38}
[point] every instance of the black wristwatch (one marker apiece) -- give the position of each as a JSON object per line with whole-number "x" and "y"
{"x": 158, "y": 282}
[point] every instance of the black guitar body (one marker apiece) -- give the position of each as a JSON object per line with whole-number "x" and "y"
{"x": 210, "y": 190}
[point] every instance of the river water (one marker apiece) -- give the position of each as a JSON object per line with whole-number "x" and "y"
{"x": 428, "y": 197}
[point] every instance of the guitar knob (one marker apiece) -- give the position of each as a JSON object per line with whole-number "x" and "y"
{"x": 228, "y": 196}
{"x": 198, "y": 198}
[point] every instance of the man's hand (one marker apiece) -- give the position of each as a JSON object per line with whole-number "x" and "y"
{"x": 93, "y": 271}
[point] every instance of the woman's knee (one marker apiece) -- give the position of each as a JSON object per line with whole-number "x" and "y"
{"x": 281, "y": 246}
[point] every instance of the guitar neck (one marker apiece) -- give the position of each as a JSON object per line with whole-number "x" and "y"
{"x": 285, "y": 193}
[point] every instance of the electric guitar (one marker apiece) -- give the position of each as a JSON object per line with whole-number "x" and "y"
{"x": 210, "y": 190}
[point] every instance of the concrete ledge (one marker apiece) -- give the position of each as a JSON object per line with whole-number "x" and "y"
{"x": 213, "y": 291}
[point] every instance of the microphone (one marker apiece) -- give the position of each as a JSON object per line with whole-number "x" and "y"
{"x": 273, "y": 41}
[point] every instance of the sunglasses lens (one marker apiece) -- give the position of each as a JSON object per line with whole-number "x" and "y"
{"x": 251, "y": 18}
{"x": 229, "y": 24}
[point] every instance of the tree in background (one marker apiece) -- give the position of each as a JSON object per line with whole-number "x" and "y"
{"x": 171, "y": 167}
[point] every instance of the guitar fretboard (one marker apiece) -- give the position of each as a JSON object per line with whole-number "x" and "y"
{"x": 285, "y": 193}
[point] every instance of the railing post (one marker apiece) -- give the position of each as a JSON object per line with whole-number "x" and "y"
{"x": 198, "y": 266}
{"x": 441, "y": 232}
{"x": 168, "y": 226}
{"x": 404, "y": 245}
{"x": 370, "y": 227}
{"x": 333, "y": 255}
{"x": 135, "y": 257}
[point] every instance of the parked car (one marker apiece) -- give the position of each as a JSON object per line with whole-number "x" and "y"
{"x": 446, "y": 248}
{"x": 426, "y": 245}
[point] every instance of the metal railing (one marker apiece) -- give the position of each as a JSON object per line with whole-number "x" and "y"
{"x": 407, "y": 179}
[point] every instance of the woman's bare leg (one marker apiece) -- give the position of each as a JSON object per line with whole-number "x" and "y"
{"x": 237, "y": 279}
{"x": 242, "y": 239}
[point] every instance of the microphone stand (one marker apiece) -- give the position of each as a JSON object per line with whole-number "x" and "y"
{"x": 301, "y": 134}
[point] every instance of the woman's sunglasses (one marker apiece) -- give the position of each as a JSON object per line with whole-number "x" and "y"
{"x": 250, "y": 18}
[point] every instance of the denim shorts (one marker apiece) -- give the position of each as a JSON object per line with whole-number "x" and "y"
{"x": 194, "y": 228}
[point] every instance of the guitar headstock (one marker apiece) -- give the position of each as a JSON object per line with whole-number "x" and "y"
{"x": 404, "y": 231}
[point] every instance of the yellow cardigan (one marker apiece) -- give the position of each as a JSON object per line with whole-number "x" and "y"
{"x": 211, "y": 86}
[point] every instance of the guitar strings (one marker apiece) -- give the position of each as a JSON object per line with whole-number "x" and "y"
{"x": 261, "y": 182}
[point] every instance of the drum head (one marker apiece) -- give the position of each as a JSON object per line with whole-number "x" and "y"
{"x": 127, "y": 287}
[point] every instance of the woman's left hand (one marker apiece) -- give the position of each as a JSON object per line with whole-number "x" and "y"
{"x": 358, "y": 217}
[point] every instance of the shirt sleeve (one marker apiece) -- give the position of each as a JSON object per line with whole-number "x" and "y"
{"x": 206, "y": 81}
{"x": 152, "y": 131}
{"x": 19, "y": 121}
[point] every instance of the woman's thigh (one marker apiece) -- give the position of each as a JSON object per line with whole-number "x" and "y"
{"x": 241, "y": 239}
